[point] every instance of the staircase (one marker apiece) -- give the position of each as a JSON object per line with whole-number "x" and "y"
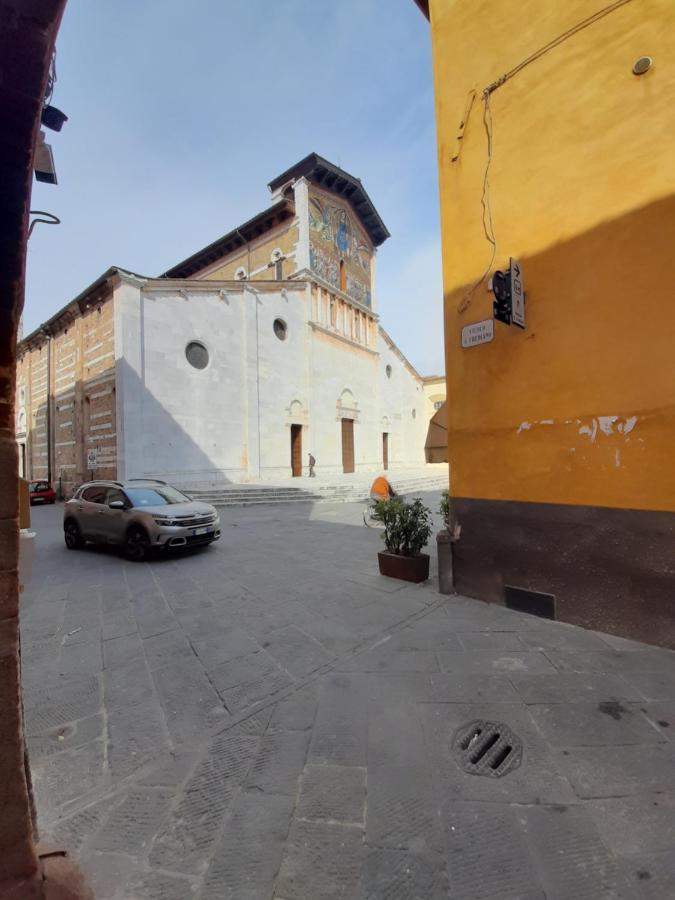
{"x": 352, "y": 488}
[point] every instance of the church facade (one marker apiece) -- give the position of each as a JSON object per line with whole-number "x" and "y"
{"x": 236, "y": 364}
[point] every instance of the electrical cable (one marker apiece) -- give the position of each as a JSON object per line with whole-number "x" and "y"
{"x": 51, "y": 220}
{"x": 51, "y": 80}
{"x": 488, "y": 226}
{"x": 556, "y": 41}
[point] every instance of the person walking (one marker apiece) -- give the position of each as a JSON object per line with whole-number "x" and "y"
{"x": 312, "y": 463}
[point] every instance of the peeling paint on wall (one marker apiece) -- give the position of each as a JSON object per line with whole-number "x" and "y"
{"x": 603, "y": 424}
{"x": 606, "y": 423}
{"x": 590, "y": 430}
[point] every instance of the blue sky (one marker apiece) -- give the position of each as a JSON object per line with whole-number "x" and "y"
{"x": 180, "y": 113}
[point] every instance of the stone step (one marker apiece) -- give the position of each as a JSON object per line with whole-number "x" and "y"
{"x": 259, "y": 494}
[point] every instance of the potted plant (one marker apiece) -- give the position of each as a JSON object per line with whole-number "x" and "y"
{"x": 445, "y": 538}
{"x": 407, "y": 528}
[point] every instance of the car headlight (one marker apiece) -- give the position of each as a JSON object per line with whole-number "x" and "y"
{"x": 162, "y": 520}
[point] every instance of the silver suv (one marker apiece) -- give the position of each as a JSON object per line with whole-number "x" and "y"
{"x": 139, "y": 515}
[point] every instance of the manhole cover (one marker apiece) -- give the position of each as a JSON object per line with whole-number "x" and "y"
{"x": 487, "y": 748}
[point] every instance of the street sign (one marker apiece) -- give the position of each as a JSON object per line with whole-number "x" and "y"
{"x": 91, "y": 459}
{"x": 478, "y": 333}
{"x": 517, "y": 294}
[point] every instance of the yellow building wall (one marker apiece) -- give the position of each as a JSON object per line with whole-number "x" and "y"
{"x": 258, "y": 256}
{"x": 578, "y": 408}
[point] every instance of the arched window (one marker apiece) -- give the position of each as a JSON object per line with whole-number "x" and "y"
{"x": 343, "y": 276}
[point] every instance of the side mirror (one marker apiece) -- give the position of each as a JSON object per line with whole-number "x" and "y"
{"x": 117, "y": 504}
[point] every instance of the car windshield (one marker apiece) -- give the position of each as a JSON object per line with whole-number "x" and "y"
{"x": 161, "y": 495}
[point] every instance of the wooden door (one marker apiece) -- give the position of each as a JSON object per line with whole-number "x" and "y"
{"x": 296, "y": 450}
{"x": 347, "y": 445}
{"x": 385, "y": 450}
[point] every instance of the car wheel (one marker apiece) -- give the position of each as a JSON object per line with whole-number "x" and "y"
{"x": 137, "y": 545}
{"x": 72, "y": 535}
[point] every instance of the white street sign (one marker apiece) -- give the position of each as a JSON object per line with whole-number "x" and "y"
{"x": 91, "y": 459}
{"x": 517, "y": 294}
{"x": 478, "y": 333}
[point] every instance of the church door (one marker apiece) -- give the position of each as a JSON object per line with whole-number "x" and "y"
{"x": 347, "y": 445}
{"x": 385, "y": 450}
{"x": 296, "y": 450}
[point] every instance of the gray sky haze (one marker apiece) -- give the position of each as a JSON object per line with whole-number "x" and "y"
{"x": 181, "y": 113}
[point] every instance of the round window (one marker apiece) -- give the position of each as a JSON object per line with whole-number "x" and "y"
{"x": 280, "y": 329}
{"x": 388, "y": 371}
{"x": 197, "y": 355}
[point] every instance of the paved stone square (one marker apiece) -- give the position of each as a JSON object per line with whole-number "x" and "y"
{"x": 269, "y": 719}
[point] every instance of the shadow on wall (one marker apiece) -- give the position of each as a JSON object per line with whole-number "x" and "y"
{"x": 86, "y": 441}
{"x": 157, "y": 445}
{"x": 563, "y": 478}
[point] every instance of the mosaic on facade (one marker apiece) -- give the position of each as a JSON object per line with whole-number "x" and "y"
{"x": 335, "y": 236}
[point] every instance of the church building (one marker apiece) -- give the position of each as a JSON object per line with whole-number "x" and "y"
{"x": 235, "y": 364}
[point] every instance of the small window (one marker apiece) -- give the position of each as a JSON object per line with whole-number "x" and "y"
{"x": 240, "y": 274}
{"x": 113, "y": 494}
{"x": 280, "y": 329}
{"x": 197, "y": 355}
{"x": 414, "y": 413}
{"x": 388, "y": 371}
{"x": 438, "y": 404}
{"x": 343, "y": 276}
{"x": 94, "y": 494}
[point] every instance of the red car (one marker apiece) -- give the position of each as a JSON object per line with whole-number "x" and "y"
{"x": 41, "y": 492}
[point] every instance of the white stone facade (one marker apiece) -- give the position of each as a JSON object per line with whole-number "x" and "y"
{"x": 231, "y": 421}
{"x": 283, "y": 312}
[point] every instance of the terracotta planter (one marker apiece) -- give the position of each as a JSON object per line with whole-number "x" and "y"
{"x": 407, "y": 568}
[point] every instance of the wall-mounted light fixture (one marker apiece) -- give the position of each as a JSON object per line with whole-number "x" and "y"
{"x": 43, "y": 161}
{"x": 53, "y": 118}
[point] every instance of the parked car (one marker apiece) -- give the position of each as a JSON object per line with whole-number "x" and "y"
{"x": 139, "y": 515}
{"x": 41, "y": 492}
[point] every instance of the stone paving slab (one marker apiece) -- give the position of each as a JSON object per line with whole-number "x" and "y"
{"x": 333, "y": 794}
{"x": 251, "y": 847}
{"x": 588, "y": 724}
{"x": 199, "y": 729}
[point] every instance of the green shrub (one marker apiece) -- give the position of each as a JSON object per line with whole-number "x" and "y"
{"x": 407, "y": 526}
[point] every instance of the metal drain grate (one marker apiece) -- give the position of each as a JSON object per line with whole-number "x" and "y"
{"x": 487, "y": 748}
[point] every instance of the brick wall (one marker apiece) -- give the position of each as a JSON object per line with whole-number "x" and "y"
{"x": 70, "y": 398}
